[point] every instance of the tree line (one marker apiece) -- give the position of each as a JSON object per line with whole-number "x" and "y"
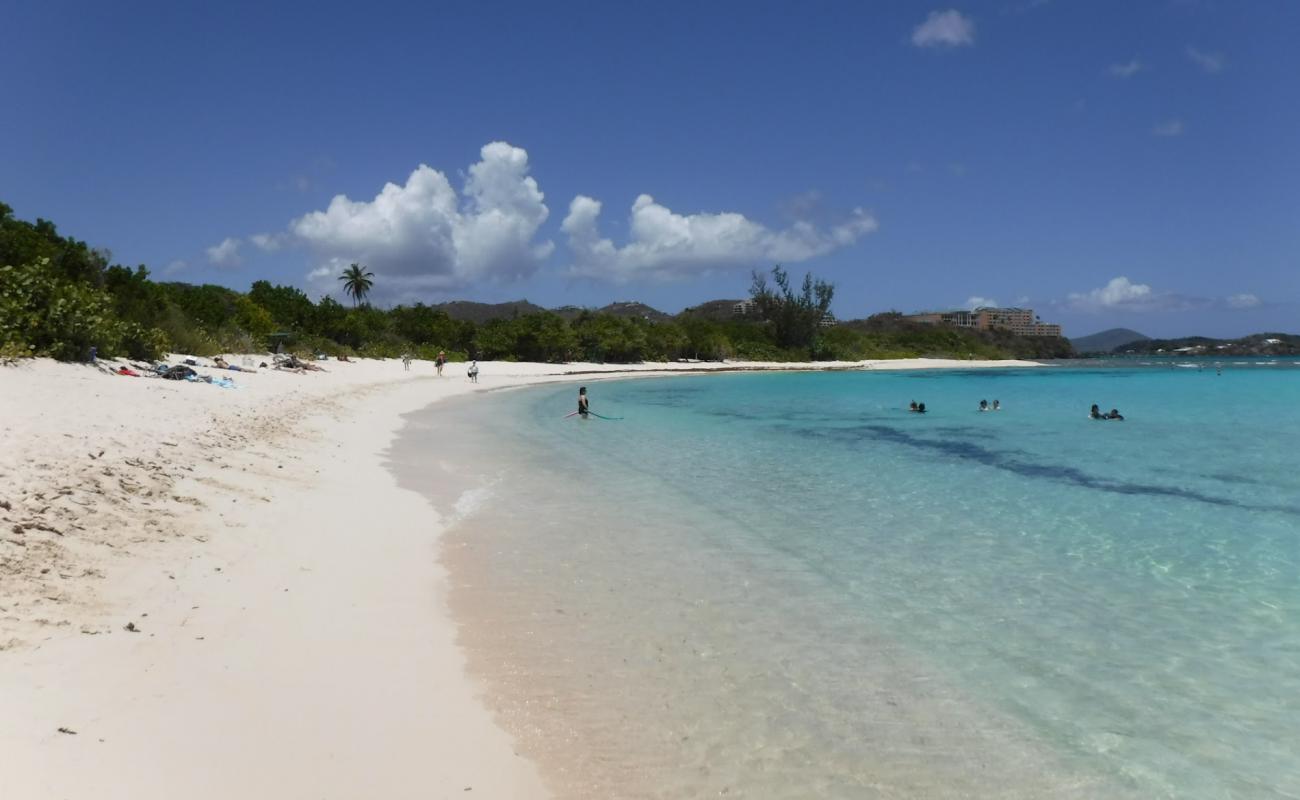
{"x": 59, "y": 297}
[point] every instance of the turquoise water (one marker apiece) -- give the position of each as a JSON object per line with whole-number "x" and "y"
{"x": 785, "y": 585}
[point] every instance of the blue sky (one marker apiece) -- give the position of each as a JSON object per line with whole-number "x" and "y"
{"x": 1107, "y": 163}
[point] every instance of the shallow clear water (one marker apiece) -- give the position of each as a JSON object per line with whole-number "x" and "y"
{"x": 785, "y": 585}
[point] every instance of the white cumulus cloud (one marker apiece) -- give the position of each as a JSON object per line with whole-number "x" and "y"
{"x": 980, "y": 302}
{"x": 1210, "y": 62}
{"x": 268, "y": 242}
{"x": 666, "y": 245}
{"x": 1242, "y": 301}
{"x": 1125, "y": 70}
{"x": 226, "y": 253}
{"x": 944, "y": 29}
{"x": 1172, "y": 127}
{"x": 424, "y": 236}
{"x": 1119, "y": 293}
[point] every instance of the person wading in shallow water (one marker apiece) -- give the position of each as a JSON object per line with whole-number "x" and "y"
{"x": 583, "y": 404}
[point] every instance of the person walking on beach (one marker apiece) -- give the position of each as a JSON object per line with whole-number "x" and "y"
{"x": 472, "y": 372}
{"x": 440, "y": 362}
{"x": 406, "y": 362}
{"x": 584, "y": 406}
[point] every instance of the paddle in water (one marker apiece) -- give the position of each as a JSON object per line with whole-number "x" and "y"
{"x": 584, "y": 407}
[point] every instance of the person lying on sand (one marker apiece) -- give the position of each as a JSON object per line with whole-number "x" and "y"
{"x": 294, "y": 364}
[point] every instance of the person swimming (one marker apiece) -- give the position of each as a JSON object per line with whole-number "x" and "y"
{"x": 1114, "y": 414}
{"x": 584, "y": 405}
{"x": 984, "y": 405}
{"x": 997, "y": 405}
{"x": 920, "y": 408}
{"x": 1095, "y": 413}
{"x": 912, "y": 407}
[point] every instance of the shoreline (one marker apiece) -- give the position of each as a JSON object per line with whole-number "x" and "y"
{"x": 291, "y": 630}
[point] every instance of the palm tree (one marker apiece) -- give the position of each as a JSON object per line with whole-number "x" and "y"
{"x": 357, "y": 282}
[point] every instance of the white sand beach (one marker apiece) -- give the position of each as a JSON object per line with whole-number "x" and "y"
{"x": 214, "y": 593}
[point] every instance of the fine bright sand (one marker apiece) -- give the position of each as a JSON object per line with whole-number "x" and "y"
{"x": 217, "y": 593}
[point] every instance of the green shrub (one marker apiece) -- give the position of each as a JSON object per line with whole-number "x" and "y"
{"x": 148, "y": 344}
{"x": 12, "y": 351}
{"x": 55, "y": 317}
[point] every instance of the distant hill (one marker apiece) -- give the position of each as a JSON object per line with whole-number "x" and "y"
{"x": 479, "y": 313}
{"x": 1108, "y": 340}
{"x": 631, "y": 308}
{"x": 569, "y": 313}
{"x": 1258, "y": 344}
{"x": 718, "y": 310}
{"x": 626, "y": 308}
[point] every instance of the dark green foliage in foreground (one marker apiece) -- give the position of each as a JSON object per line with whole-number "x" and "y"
{"x": 60, "y": 298}
{"x": 41, "y": 313}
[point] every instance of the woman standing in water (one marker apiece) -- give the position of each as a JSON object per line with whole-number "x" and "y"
{"x": 583, "y": 403}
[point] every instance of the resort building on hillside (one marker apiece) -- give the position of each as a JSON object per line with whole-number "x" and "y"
{"x": 1020, "y": 321}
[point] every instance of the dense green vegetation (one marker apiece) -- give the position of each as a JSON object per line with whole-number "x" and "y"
{"x": 59, "y": 297}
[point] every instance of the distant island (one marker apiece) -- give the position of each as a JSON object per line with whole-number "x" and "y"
{"x": 1107, "y": 340}
{"x": 1258, "y": 344}
{"x": 1124, "y": 341}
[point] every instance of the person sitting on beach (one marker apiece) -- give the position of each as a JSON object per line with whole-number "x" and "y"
{"x": 997, "y": 405}
{"x": 584, "y": 405}
{"x": 220, "y": 363}
{"x": 984, "y": 405}
{"x": 1095, "y": 413}
{"x": 1114, "y": 414}
{"x": 472, "y": 372}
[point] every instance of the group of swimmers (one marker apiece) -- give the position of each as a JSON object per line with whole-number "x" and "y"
{"x": 1095, "y": 413}
{"x": 996, "y": 405}
{"x": 919, "y": 408}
